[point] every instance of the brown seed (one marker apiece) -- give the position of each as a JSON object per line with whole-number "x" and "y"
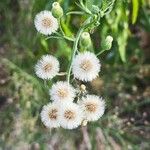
{"x": 86, "y": 65}
{"x": 91, "y": 107}
{"x": 53, "y": 114}
{"x": 62, "y": 93}
{"x": 47, "y": 67}
{"x": 46, "y": 22}
{"x": 69, "y": 114}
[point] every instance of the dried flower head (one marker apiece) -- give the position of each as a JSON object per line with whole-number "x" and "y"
{"x": 47, "y": 67}
{"x": 71, "y": 115}
{"x": 45, "y": 23}
{"x": 86, "y": 66}
{"x": 93, "y": 107}
{"x": 49, "y": 115}
{"x": 62, "y": 91}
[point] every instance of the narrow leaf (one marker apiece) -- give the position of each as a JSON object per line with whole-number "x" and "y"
{"x": 135, "y": 8}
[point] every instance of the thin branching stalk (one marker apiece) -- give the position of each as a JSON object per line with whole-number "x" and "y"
{"x": 75, "y": 45}
{"x": 62, "y": 73}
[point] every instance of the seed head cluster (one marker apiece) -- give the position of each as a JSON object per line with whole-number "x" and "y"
{"x": 70, "y": 106}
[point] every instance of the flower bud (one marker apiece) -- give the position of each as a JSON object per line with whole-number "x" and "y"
{"x": 85, "y": 39}
{"x": 83, "y": 88}
{"x": 107, "y": 43}
{"x": 57, "y": 10}
{"x": 84, "y": 122}
{"x": 95, "y": 9}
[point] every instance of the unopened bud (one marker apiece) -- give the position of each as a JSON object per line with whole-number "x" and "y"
{"x": 95, "y": 9}
{"x": 85, "y": 39}
{"x": 84, "y": 122}
{"x": 107, "y": 43}
{"x": 83, "y": 88}
{"x": 57, "y": 10}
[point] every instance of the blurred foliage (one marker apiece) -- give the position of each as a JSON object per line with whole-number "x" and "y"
{"x": 124, "y": 79}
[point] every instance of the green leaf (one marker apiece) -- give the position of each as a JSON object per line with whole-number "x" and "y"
{"x": 122, "y": 42}
{"x": 44, "y": 44}
{"x": 135, "y": 9}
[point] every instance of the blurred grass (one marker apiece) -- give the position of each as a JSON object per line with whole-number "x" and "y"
{"x": 125, "y": 86}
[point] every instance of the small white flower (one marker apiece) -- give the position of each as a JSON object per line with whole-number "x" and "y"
{"x": 93, "y": 107}
{"x": 71, "y": 115}
{"x": 62, "y": 91}
{"x": 45, "y": 23}
{"x": 86, "y": 66}
{"x": 47, "y": 67}
{"x": 49, "y": 115}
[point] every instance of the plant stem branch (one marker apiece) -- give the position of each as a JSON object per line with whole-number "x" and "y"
{"x": 64, "y": 37}
{"x": 75, "y": 45}
{"x": 101, "y": 52}
{"x": 62, "y": 73}
{"x": 59, "y": 21}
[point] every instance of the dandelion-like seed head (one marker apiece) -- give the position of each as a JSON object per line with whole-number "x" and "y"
{"x": 45, "y": 23}
{"x": 86, "y": 66}
{"x": 47, "y": 67}
{"x": 62, "y": 91}
{"x": 49, "y": 115}
{"x": 93, "y": 107}
{"x": 71, "y": 115}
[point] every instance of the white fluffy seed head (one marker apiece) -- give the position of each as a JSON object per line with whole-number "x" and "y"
{"x": 71, "y": 115}
{"x": 47, "y": 67}
{"x": 86, "y": 66}
{"x": 49, "y": 115}
{"x": 45, "y": 23}
{"x": 93, "y": 107}
{"x": 62, "y": 92}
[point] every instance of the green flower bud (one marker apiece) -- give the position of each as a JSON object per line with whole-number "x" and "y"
{"x": 57, "y": 10}
{"x": 107, "y": 43}
{"x": 85, "y": 39}
{"x": 95, "y": 9}
{"x": 102, "y": 13}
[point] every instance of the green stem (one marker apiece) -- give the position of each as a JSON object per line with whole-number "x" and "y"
{"x": 59, "y": 21}
{"x": 75, "y": 45}
{"x": 101, "y": 52}
{"x": 64, "y": 37}
{"x": 68, "y": 38}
